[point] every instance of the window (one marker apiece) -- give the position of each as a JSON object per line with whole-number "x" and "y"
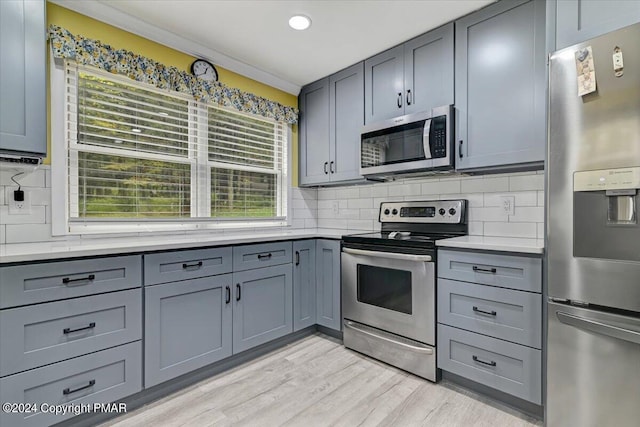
{"x": 138, "y": 153}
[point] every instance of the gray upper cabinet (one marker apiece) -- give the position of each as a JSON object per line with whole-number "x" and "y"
{"x": 331, "y": 118}
{"x": 22, "y": 67}
{"x": 313, "y": 102}
{"x": 500, "y": 83}
{"x": 304, "y": 284}
{"x": 328, "y": 284}
{"x": 262, "y": 306}
{"x": 410, "y": 78}
{"x": 346, "y": 118}
{"x": 580, "y": 20}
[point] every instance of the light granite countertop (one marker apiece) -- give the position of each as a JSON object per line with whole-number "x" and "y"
{"x": 502, "y": 244}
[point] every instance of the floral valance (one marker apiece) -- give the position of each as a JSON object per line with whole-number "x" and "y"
{"x": 92, "y": 52}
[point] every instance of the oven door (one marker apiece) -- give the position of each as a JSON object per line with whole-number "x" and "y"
{"x": 394, "y": 292}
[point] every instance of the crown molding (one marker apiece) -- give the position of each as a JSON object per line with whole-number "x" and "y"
{"x": 107, "y": 14}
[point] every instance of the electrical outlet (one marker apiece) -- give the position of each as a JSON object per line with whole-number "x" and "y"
{"x": 509, "y": 204}
{"x": 336, "y": 208}
{"x": 18, "y": 207}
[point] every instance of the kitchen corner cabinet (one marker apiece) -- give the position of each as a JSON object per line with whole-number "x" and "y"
{"x": 580, "y": 20}
{"x": 328, "y": 284}
{"x": 500, "y": 83}
{"x": 22, "y": 67}
{"x": 262, "y": 306}
{"x": 413, "y": 77}
{"x": 304, "y": 284}
{"x": 331, "y": 117}
{"x": 187, "y": 326}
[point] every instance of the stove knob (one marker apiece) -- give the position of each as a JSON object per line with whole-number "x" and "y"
{"x": 442, "y": 211}
{"x": 395, "y": 211}
{"x": 452, "y": 211}
{"x": 386, "y": 211}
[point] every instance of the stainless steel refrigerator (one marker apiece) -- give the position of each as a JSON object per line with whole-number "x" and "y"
{"x": 593, "y": 234}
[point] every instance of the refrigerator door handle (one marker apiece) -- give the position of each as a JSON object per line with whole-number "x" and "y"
{"x": 599, "y": 327}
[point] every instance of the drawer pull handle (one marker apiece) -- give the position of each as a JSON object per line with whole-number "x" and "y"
{"x": 68, "y": 280}
{"x": 70, "y": 331}
{"x": 297, "y": 258}
{"x": 194, "y": 265}
{"x": 75, "y": 390}
{"x": 484, "y": 270}
{"x": 477, "y": 359}
{"x": 263, "y": 256}
{"x": 238, "y": 292}
{"x": 488, "y": 313}
{"x": 228, "y": 300}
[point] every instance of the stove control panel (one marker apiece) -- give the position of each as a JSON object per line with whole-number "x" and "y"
{"x": 428, "y": 211}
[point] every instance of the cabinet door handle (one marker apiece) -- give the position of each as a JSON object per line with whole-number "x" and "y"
{"x": 264, "y": 256}
{"x": 488, "y": 313}
{"x": 70, "y": 331}
{"x": 297, "y": 258}
{"x": 196, "y": 265}
{"x": 460, "y": 149}
{"x": 68, "y": 280}
{"x": 238, "y": 292}
{"x": 325, "y": 168}
{"x": 69, "y": 391}
{"x": 477, "y": 359}
{"x": 228, "y": 300}
{"x": 409, "y": 97}
{"x": 331, "y": 167}
{"x": 484, "y": 270}
{"x": 399, "y": 99}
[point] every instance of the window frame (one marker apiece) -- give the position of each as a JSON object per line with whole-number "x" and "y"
{"x": 63, "y": 143}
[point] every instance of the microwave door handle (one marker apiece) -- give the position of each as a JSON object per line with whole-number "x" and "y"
{"x": 425, "y": 139}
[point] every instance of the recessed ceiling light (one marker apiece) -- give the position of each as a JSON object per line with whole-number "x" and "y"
{"x": 299, "y": 22}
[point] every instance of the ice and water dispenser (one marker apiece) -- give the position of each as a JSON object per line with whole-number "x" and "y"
{"x": 605, "y": 214}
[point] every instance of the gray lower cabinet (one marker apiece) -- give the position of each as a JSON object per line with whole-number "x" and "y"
{"x": 165, "y": 267}
{"x": 262, "y": 305}
{"x": 187, "y": 326}
{"x": 580, "y": 20}
{"x": 304, "y": 284}
{"x": 249, "y": 257}
{"x": 23, "y": 70}
{"x": 328, "y": 284}
{"x": 500, "y": 87}
{"x": 102, "y": 377}
{"x": 413, "y": 77}
{"x": 331, "y": 118}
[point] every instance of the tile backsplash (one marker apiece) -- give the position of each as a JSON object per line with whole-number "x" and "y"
{"x": 352, "y": 208}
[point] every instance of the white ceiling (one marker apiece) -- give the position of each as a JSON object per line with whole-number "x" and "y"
{"x": 254, "y": 39}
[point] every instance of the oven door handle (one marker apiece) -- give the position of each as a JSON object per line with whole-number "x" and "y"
{"x": 350, "y": 325}
{"x": 388, "y": 255}
{"x": 426, "y": 142}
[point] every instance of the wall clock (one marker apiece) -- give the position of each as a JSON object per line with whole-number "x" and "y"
{"x": 204, "y": 70}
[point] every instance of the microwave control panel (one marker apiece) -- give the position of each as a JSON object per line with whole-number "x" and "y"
{"x": 438, "y": 137}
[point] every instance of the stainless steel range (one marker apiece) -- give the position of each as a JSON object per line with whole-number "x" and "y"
{"x": 388, "y": 283}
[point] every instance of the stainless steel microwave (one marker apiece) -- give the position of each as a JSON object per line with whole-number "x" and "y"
{"x": 420, "y": 142}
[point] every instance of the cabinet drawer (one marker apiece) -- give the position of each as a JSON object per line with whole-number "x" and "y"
{"x": 56, "y": 331}
{"x": 167, "y": 267}
{"x": 101, "y": 377}
{"x": 508, "y": 367}
{"x": 501, "y": 313}
{"x": 34, "y": 283}
{"x": 506, "y": 271}
{"x": 263, "y": 255}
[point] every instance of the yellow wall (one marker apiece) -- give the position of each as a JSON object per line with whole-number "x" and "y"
{"x": 119, "y": 39}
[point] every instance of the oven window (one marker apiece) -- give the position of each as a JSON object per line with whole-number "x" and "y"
{"x": 385, "y": 287}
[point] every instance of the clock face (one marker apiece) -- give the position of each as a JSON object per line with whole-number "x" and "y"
{"x": 204, "y": 70}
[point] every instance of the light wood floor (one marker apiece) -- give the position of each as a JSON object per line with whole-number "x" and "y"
{"x": 318, "y": 382}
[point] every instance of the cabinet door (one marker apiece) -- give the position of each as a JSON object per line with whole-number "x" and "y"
{"x": 314, "y": 133}
{"x": 328, "y": 284}
{"x": 500, "y": 86}
{"x": 304, "y": 284}
{"x": 428, "y": 70}
{"x": 580, "y": 20}
{"x": 263, "y": 301}
{"x": 346, "y": 118}
{"x": 23, "y": 71}
{"x": 384, "y": 85}
{"x": 187, "y": 326}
